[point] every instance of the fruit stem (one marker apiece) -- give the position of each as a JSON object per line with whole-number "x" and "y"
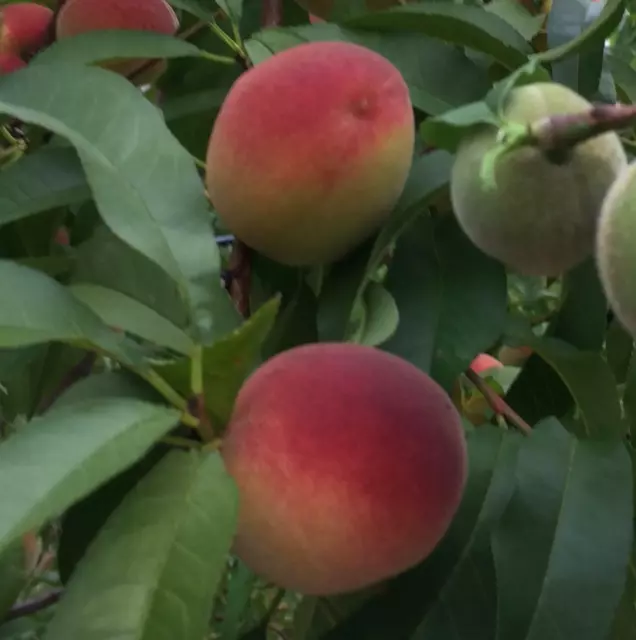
{"x": 497, "y": 404}
{"x": 235, "y": 46}
{"x": 214, "y": 58}
{"x": 154, "y": 379}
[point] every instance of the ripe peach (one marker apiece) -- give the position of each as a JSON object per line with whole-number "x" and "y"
{"x": 350, "y": 464}
{"x": 310, "y": 151}
{"x": 10, "y": 62}
{"x": 25, "y": 27}
{"x": 483, "y": 362}
{"x": 81, "y": 16}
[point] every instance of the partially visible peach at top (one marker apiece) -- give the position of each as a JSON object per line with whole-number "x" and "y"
{"x": 25, "y": 27}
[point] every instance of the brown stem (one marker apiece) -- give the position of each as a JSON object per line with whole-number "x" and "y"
{"x": 78, "y": 371}
{"x": 34, "y": 605}
{"x": 497, "y": 404}
{"x": 272, "y": 13}
{"x": 240, "y": 271}
{"x": 561, "y": 133}
{"x": 196, "y": 406}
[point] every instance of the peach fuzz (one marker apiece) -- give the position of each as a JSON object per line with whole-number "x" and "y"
{"x": 81, "y": 16}
{"x": 350, "y": 464}
{"x": 25, "y": 27}
{"x": 310, "y": 151}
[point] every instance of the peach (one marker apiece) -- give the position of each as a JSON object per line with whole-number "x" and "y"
{"x": 10, "y": 62}
{"x": 350, "y": 464}
{"x": 483, "y": 362}
{"x": 310, "y": 151}
{"x": 25, "y": 27}
{"x": 81, "y": 16}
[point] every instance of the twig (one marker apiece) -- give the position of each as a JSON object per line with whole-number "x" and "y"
{"x": 34, "y": 605}
{"x": 272, "y": 13}
{"x": 497, "y": 404}
{"x": 78, "y": 371}
{"x": 239, "y": 273}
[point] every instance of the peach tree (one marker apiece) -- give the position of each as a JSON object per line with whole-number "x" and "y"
{"x": 317, "y": 320}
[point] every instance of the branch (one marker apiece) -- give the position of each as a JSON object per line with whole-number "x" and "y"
{"x": 238, "y": 277}
{"x": 29, "y": 607}
{"x": 497, "y": 404}
{"x": 78, "y": 371}
{"x": 272, "y": 13}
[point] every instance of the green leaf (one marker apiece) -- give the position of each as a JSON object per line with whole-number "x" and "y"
{"x": 197, "y": 8}
{"x": 118, "y": 310}
{"x": 563, "y": 544}
{"x": 590, "y": 382}
{"x": 42, "y": 310}
{"x": 12, "y": 575}
{"x": 227, "y": 362}
{"x": 128, "y": 171}
{"x": 239, "y": 590}
{"x": 447, "y": 130}
{"x": 169, "y": 538}
{"x": 381, "y": 318}
{"x": 46, "y": 474}
{"x": 425, "y": 63}
{"x": 40, "y": 181}
{"x": 517, "y": 16}
{"x": 424, "y": 603}
{"x": 344, "y": 288}
{"x": 232, "y": 8}
{"x": 595, "y": 33}
{"x": 625, "y": 618}
{"x": 98, "y": 46}
{"x": 629, "y": 398}
{"x": 107, "y": 261}
{"x": 461, "y": 24}
{"x": 625, "y": 77}
{"x": 451, "y": 296}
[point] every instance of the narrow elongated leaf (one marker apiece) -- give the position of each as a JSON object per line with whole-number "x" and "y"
{"x": 348, "y": 279}
{"x": 96, "y": 46}
{"x": 563, "y": 544}
{"x": 625, "y": 618}
{"x": 227, "y": 362}
{"x": 381, "y": 316}
{"x": 425, "y": 63}
{"x": 145, "y": 184}
{"x": 466, "y": 25}
{"x": 153, "y": 570}
{"x": 198, "y": 8}
{"x": 594, "y": 34}
{"x": 41, "y": 181}
{"x": 589, "y": 381}
{"x": 42, "y": 310}
{"x": 60, "y": 457}
{"x": 12, "y": 575}
{"x": 123, "y": 312}
{"x": 430, "y": 597}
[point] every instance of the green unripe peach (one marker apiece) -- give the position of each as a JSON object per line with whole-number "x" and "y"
{"x": 540, "y": 218}
{"x": 616, "y": 248}
{"x": 310, "y": 151}
{"x": 350, "y": 464}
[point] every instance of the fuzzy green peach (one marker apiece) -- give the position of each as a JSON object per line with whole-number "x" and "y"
{"x": 540, "y": 217}
{"x": 310, "y": 151}
{"x": 350, "y": 464}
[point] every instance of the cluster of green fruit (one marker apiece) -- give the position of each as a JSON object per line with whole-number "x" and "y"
{"x": 28, "y": 27}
